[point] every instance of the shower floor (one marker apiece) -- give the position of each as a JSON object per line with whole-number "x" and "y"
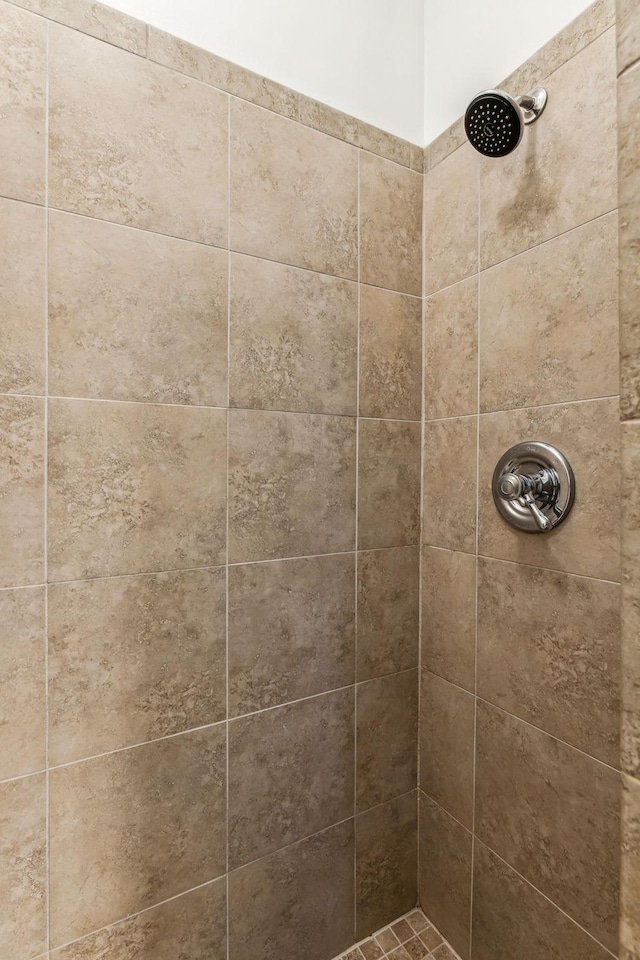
{"x": 411, "y": 937}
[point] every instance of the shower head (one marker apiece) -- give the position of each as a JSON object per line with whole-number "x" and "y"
{"x": 495, "y": 120}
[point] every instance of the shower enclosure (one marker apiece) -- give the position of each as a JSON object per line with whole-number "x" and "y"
{"x": 277, "y": 680}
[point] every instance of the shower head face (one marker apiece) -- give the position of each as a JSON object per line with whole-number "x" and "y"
{"x": 494, "y": 123}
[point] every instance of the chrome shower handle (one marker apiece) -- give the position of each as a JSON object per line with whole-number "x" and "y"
{"x": 526, "y": 487}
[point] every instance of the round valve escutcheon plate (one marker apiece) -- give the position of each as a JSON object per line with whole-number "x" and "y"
{"x": 533, "y": 487}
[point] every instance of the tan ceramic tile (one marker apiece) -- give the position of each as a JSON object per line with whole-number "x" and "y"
{"x": 387, "y": 721}
{"x": 449, "y": 615}
{"x": 296, "y": 903}
{"x": 23, "y": 67}
{"x": 390, "y": 354}
{"x": 629, "y": 194}
{"x": 132, "y": 828}
{"x": 22, "y": 443}
{"x": 402, "y": 930}
{"x": 445, "y": 873}
{"x": 388, "y": 611}
{"x": 418, "y": 920}
{"x": 545, "y": 187}
{"x": 451, "y": 344}
{"x": 431, "y": 938}
{"x": 416, "y": 948}
{"x": 630, "y": 599}
{"x": 630, "y": 894}
{"x": 22, "y": 298}
{"x": 388, "y": 484}
{"x": 384, "y": 144}
{"x": 588, "y": 434}
{"x": 172, "y": 52}
{"x": 628, "y": 22}
{"x": 444, "y": 952}
{"x": 399, "y": 954}
{"x": 553, "y": 814}
{"x": 134, "y": 659}
{"x": 23, "y": 843}
{"x": 386, "y": 863}
{"x": 290, "y": 774}
{"x": 445, "y": 144}
{"x": 293, "y": 339}
{"x": 293, "y": 193}
{"x": 22, "y": 681}
{"x": 134, "y": 143}
{"x": 451, "y": 219}
{"x": 192, "y": 926}
{"x": 549, "y": 652}
{"x": 134, "y": 488}
{"x": 291, "y": 485}
{"x": 417, "y": 158}
{"x": 96, "y": 19}
{"x": 327, "y": 119}
{"x": 390, "y": 225}
{"x": 450, "y": 484}
{"x": 291, "y": 630}
{"x": 447, "y": 728}
{"x": 387, "y": 940}
{"x": 552, "y": 310}
{"x": 370, "y": 950}
{"x": 135, "y": 315}
{"x": 512, "y": 919}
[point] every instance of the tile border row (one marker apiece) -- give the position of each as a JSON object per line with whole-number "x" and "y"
{"x": 108, "y": 25}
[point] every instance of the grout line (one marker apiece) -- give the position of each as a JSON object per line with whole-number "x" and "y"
{"x": 211, "y": 566}
{"x": 228, "y": 248}
{"x": 45, "y": 500}
{"x": 312, "y": 413}
{"x": 355, "y": 572}
{"x": 139, "y": 913}
{"x": 528, "y": 723}
{"x": 520, "y": 563}
{"x": 483, "y": 271}
{"x": 445, "y": 811}
{"x": 548, "y": 899}
{"x": 476, "y": 604}
{"x": 423, "y": 415}
{"x": 25, "y": 776}
{"x": 530, "y": 406}
{"x": 293, "y": 843}
{"x": 217, "y": 723}
{"x": 543, "y": 243}
{"x": 533, "y": 566}
{"x": 227, "y": 485}
{"x": 200, "y": 406}
{"x": 135, "y": 746}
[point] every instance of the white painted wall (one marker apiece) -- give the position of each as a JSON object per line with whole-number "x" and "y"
{"x": 471, "y": 45}
{"x": 408, "y": 66}
{"x": 365, "y": 57}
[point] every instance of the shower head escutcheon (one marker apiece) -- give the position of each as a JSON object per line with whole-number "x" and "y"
{"x": 494, "y": 121}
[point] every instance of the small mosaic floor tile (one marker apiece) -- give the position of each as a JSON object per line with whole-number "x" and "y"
{"x": 411, "y": 937}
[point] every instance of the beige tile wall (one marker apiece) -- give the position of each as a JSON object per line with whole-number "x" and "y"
{"x": 211, "y": 371}
{"x": 629, "y": 194}
{"x": 520, "y": 660}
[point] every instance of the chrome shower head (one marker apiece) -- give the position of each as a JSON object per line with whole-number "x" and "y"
{"x": 494, "y": 121}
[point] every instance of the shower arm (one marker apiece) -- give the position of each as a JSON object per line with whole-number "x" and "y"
{"x": 532, "y": 104}
{"x": 527, "y": 102}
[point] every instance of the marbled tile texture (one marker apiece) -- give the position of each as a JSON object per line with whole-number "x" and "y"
{"x": 521, "y": 662}
{"x": 209, "y": 632}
